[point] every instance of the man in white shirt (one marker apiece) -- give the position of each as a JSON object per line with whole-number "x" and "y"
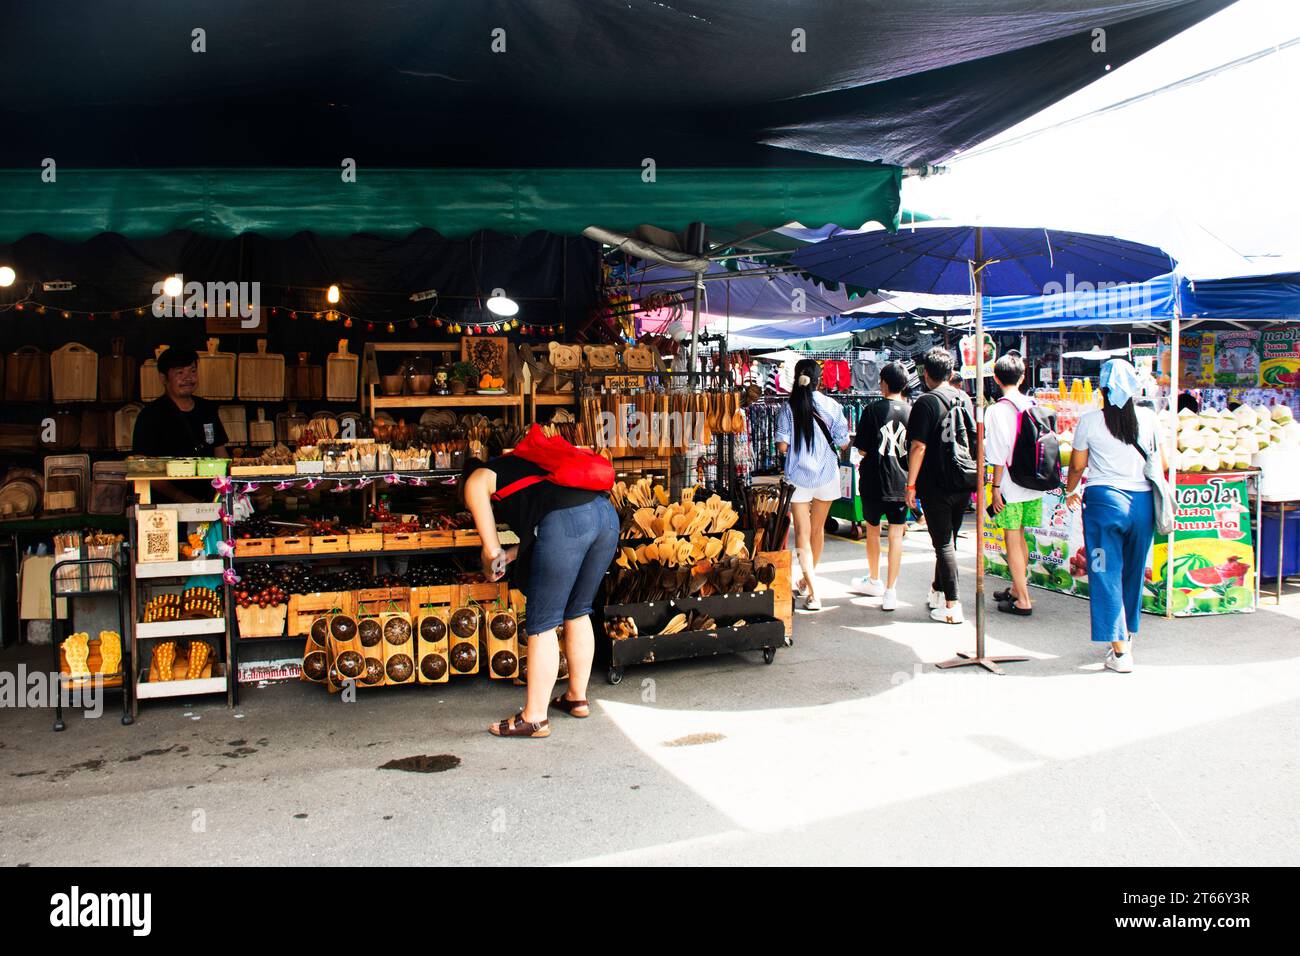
{"x": 1014, "y": 507}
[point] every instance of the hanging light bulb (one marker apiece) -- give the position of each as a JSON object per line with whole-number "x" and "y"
{"x": 391, "y": 328}
{"x": 173, "y": 286}
{"x": 414, "y": 323}
{"x": 7, "y": 276}
{"x": 347, "y": 323}
{"x": 498, "y": 303}
{"x": 332, "y": 295}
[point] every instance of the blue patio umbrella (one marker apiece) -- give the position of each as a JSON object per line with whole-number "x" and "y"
{"x": 980, "y": 260}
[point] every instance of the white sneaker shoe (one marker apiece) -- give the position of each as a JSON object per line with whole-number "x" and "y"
{"x": 871, "y": 587}
{"x": 812, "y": 604}
{"x": 890, "y": 603}
{"x": 947, "y": 615}
{"x": 1120, "y": 663}
{"x": 936, "y": 600}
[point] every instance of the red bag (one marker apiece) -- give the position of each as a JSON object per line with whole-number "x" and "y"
{"x": 565, "y": 465}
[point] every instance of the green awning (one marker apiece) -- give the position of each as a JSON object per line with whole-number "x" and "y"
{"x": 223, "y": 203}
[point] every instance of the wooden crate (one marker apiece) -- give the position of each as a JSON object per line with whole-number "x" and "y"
{"x": 468, "y": 539}
{"x": 782, "y": 596}
{"x": 383, "y": 600}
{"x": 436, "y": 539}
{"x": 295, "y": 544}
{"x": 329, "y": 543}
{"x": 262, "y": 621}
{"x": 254, "y": 547}
{"x": 404, "y": 541}
{"x": 304, "y": 608}
{"x": 482, "y": 593}
{"x": 345, "y": 648}
{"x": 365, "y": 541}
{"x": 439, "y": 595}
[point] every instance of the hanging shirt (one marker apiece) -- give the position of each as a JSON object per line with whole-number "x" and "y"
{"x": 818, "y": 465}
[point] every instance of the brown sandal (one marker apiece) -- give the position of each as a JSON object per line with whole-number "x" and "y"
{"x": 516, "y": 726}
{"x": 563, "y": 703}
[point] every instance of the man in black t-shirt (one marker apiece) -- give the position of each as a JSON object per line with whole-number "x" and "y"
{"x": 882, "y": 484}
{"x": 944, "y": 509}
{"x": 177, "y": 424}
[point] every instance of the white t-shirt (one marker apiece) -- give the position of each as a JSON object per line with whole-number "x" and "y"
{"x": 1113, "y": 462}
{"x": 999, "y": 441}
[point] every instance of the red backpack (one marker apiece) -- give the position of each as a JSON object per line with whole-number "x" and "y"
{"x": 565, "y": 465}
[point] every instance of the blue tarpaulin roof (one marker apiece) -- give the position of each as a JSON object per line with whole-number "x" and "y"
{"x": 1268, "y": 298}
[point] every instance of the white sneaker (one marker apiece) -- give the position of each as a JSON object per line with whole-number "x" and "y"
{"x": 947, "y": 615}
{"x": 811, "y": 603}
{"x": 890, "y": 603}
{"x": 936, "y": 600}
{"x": 871, "y": 587}
{"x": 1120, "y": 663}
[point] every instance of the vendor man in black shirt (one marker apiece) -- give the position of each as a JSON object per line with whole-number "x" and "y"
{"x": 177, "y": 424}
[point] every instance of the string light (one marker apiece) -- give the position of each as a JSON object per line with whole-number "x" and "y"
{"x": 332, "y": 294}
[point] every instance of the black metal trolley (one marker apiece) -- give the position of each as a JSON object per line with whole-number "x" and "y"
{"x": 57, "y": 593}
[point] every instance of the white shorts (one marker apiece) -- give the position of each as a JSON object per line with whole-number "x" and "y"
{"x": 827, "y": 492}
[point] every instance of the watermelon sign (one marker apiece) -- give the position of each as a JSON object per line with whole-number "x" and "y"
{"x": 1213, "y": 566}
{"x": 1214, "y": 553}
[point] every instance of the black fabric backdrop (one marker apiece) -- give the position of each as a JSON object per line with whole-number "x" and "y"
{"x": 554, "y": 279}
{"x": 581, "y": 82}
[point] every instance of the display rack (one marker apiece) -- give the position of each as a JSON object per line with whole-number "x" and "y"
{"x": 149, "y": 575}
{"x": 115, "y": 680}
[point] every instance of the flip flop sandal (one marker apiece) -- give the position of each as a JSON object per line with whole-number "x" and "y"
{"x": 516, "y": 726}
{"x": 1004, "y": 595}
{"x": 1009, "y": 607}
{"x": 563, "y": 703}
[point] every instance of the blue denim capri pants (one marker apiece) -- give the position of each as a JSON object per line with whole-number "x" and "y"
{"x": 1118, "y": 526}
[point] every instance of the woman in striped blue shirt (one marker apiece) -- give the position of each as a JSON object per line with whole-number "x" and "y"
{"x": 811, "y": 432}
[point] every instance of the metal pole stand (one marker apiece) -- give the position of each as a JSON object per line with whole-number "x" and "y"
{"x": 979, "y": 658}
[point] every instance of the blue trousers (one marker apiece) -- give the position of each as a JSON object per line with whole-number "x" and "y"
{"x": 1117, "y": 530}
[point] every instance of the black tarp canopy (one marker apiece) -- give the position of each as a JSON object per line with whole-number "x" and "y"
{"x": 711, "y": 91}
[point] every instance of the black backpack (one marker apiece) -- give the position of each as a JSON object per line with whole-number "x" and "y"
{"x": 957, "y": 472}
{"x": 1036, "y": 452}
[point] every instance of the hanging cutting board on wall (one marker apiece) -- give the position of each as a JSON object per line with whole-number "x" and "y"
{"x": 124, "y": 426}
{"x": 234, "y": 419}
{"x": 341, "y": 375}
{"x": 304, "y": 381}
{"x": 74, "y": 373}
{"x": 117, "y": 373}
{"x": 261, "y": 375}
{"x": 216, "y": 374}
{"x": 27, "y": 375}
{"x": 151, "y": 385}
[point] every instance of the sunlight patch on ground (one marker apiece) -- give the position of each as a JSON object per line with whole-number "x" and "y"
{"x": 933, "y": 731}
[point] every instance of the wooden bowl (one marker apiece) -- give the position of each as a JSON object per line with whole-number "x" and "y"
{"x": 392, "y": 384}
{"x": 421, "y": 384}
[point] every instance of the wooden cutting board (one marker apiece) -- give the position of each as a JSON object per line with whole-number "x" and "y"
{"x": 341, "y": 375}
{"x": 261, "y": 375}
{"x": 124, "y": 426}
{"x": 151, "y": 385}
{"x": 74, "y": 373}
{"x": 261, "y": 431}
{"x": 304, "y": 381}
{"x": 27, "y": 375}
{"x": 117, "y": 374}
{"x": 98, "y": 429}
{"x": 234, "y": 418}
{"x": 216, "y": 374}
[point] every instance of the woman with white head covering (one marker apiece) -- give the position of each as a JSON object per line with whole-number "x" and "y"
{"x": 1112, "y": 446}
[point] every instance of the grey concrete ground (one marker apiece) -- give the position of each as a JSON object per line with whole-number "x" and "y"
{"x": 850, "y": 748}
